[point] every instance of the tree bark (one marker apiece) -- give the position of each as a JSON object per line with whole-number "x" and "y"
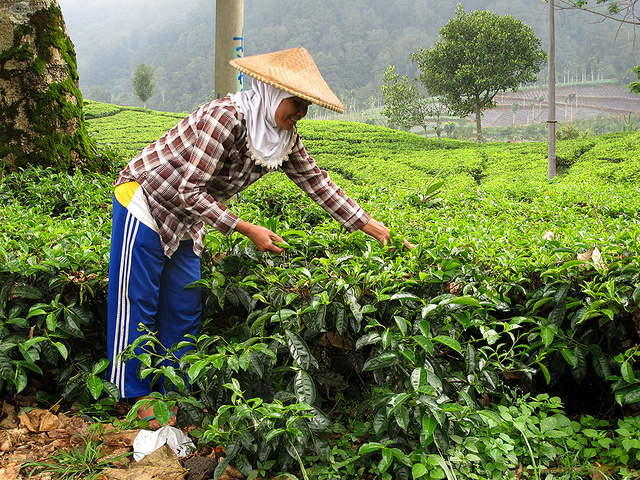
{"x": 478, "y": 123}
{"x": 40, "y": 101}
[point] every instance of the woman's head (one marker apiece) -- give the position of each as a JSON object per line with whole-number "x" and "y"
{"x": 290, "y": 110}
{"x": 281, "y": 109}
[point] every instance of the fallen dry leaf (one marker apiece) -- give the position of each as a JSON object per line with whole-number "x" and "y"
{"x": 548, "y": 235}
{"x": 231, "y": 473}
{"x": 119, "y": 438}
{"x": 39, "y": 420}
{"x": 162, "y": 464}
{"x": 336, "y": 340}
{"x": 594, "y": 255}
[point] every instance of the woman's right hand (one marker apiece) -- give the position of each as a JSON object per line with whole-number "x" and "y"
{"x": 261, "y": 237}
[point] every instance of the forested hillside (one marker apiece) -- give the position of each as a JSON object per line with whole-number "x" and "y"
{"x": 352, "y": 42}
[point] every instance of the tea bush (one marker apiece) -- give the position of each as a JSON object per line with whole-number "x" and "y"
{"x": 470, "y": 348}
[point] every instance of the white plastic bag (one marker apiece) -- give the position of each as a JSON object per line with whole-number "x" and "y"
{"x": 148, "y": 441}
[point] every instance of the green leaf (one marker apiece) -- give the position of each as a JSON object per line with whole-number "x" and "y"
{"x": 370, "y": 447}
{"x": 545, "y": 372}
{"x": 633, "y": 396}
{"x": 387, "y": 460}
{"x": 627, "y": 372}
{"x": 341, "y": 321}
{"x": 452, "y": 343}
{"x": 385, "y": 359}
{"x": 547, "y": 334}
{"x": 580, "y": 370}
{"x": 6, "y": 368}
{"x": 94, "y": 384}
{"x": 26, "y": 291}
{"x": 561, "y": 292}
{"x": 36, "y": 311}
{"x": 601, "y": 365}
{"x": 425, "y": 343}
{"x": 304, "y": 388}
{"x": 52, "y": 321}
{"x": 20, "y": 381}
{"x": 380, "y": 421}
{"x": 62, "y": 349}
{"x": 463, "y": 301}
{"x": 540, "y": 303}
{"x": 300, "y": 351}
{"x": 418, "y": 470}
{"x": 99, "y": 366}
{"x": 402, "y": 417}
{"x": 570, "y": 357}
{"x": 162, "y": 412}
{"x": 429, "y": 424}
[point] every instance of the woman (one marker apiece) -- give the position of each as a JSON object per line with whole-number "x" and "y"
{"x": 166, "y": 194}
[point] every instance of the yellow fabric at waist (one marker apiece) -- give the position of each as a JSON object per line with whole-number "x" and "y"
{"x": 124, "y": 192}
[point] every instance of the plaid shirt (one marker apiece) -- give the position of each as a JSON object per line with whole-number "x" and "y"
{"x": 203, "y": 161}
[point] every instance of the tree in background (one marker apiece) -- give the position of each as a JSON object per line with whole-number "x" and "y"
{"x": 635, "y": 86}
{"x": 479, "y": 55}
{"x": 143, "y": 85}
{"x": 622, "y": 11}
{"x": 515, "y": 106}
{"x": 40, "y": 102}
{"x": 406, "y": 107}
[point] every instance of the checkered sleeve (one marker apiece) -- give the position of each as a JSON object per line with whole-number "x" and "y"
{"x": 304, "y": 172}
{"x": 215, "y": 137}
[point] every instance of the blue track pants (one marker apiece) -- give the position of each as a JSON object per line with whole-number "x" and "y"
{"x": 147, "y": 287}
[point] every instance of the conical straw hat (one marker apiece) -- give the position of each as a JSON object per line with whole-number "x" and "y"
{"x": 293, "y": 71}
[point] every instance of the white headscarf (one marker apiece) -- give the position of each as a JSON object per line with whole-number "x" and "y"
{"x": 268, "y": 144}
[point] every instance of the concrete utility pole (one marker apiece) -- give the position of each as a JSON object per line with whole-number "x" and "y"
{"x": 229, "y": 44}
{"x": 551, "y": 119}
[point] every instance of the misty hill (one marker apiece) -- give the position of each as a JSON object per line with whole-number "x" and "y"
{"x": 352, "y": 42}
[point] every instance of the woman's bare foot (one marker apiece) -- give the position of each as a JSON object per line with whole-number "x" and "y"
{"x": 145, "y": 412}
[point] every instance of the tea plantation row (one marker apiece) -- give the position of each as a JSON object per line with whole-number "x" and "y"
{"x": 464, "y": 357}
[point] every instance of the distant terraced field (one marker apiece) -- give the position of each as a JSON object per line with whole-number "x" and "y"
{"x": 572, "y": 102}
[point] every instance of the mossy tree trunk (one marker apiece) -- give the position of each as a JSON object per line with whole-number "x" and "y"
{"x": 40, "y": 102}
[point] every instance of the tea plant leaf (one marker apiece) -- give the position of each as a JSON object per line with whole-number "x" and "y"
{"x": 368, "y": 339}
{"x": 626, "y": 370}
{"x": 601, "y": 365}
{"x": 300, "y": 351}
{"x": 405, "y": 296}
{"x": 304, "y": 387}
{"x": 20, "y": 380}
{"x": 387, "y": 459}
{"x": 429, "y": 424}
{"x": 633, "y": 396}
{"x": 369, "y": 447}
{"x": 570, "y": 357}
{"x": 26, "y": 291}
{"x": 99, "y": 366}
{"x": 426, "y": 310}
{"x": 556, "y": 317}
{"x": 380, "y": 422}
{"x": 385, "y": 359}
{"x": 418, "y": 470}
{"x": 341, "y": 322}
{"x": 580, "y": 370}
{"x": 424, "y": 342}
{"x": 111, "y": 390}
{"x": 62, "y": 349}
{"x": 452, "y": 343}
{"x": 94, "y": 384}
{"x": 463, "y": 301}
{"x": 540, "y": 303}
{"x": 547, "y": 333}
